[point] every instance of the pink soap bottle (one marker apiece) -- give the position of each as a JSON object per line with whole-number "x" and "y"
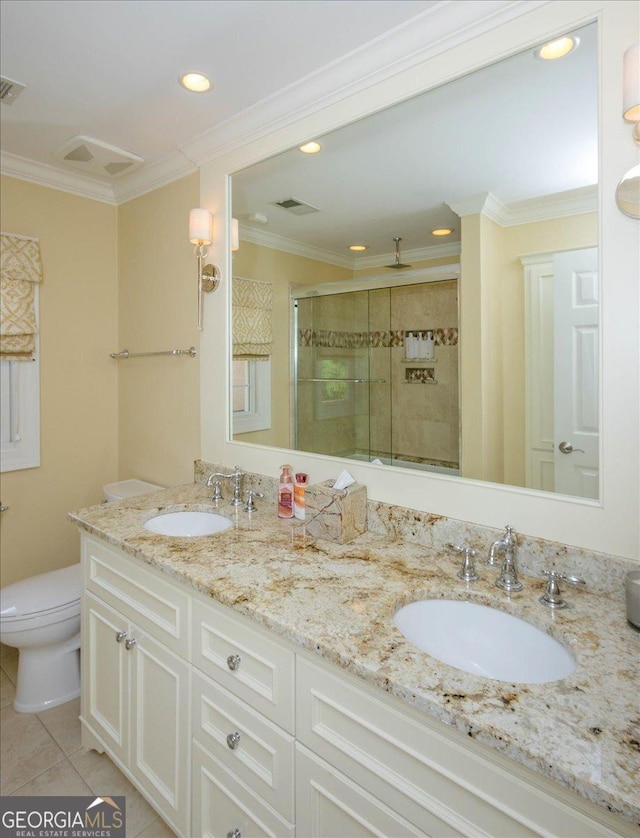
{"x": 285, "y": 493}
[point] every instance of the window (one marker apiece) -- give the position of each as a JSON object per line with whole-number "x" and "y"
{"x": 251, "y": 395}
{"x": 335, "y": 394}
{"x": 20, "y": 414}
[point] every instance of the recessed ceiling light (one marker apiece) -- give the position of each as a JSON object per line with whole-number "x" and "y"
{"x": 310, "y": 148}
{"x": 195, "y": 82}
{"x": 442, "y": 231}
{"x": 558, "y": 48}
{"x": 358, "y": 248}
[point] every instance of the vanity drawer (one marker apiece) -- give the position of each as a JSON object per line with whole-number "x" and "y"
{"x": 158, "y": 606}
{"x": 264, "y": 671}
{"x": 222, "y": 804}
{"x": 330, "y": 805}
{"x": 434, "y": 779}
{"x": 262, "y": 756}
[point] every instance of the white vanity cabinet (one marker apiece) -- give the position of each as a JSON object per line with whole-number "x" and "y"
{"x": 230, "y": 730}
{"x": 135, "y": 689}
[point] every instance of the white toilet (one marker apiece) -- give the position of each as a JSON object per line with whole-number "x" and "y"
{"x": 40, "y": 617}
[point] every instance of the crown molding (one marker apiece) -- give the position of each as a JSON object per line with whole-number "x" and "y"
{"x": 42, "y": 174}
{"x": 276, "y": 242}
{"x": 545, "y": 208}
{"x": 355, "y": 263}
{"x": 152, "y": 177}
{"x": 424, "y": 36}
{"x": 572, "y": 202}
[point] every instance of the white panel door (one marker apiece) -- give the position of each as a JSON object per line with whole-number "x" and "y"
{"x": 160, "y": 744}
{"x": 576, "y": 372}
{"x": 105, "y": 678}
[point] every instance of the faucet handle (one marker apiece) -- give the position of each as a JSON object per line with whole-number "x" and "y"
{"x": 249, "y": 504}
{"x": 213, "y": 480}
{"x": 468, "y": 570}
{"x": 552, "y": 596}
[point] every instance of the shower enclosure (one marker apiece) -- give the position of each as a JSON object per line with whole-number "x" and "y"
{"x": 359, "y": 393}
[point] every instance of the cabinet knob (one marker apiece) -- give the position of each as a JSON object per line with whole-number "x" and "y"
{"x": 130, "y": 643}
{"x": 233, "y": 662}
{"x": 235, "y": 833}
{"x": 233, "y": 740}
{"x": 120, "y": 636}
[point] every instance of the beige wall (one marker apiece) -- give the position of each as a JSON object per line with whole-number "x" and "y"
{"x": 78, "y": 380}
{"x": 283, "y": 270}
{"x": 159, "y": 397}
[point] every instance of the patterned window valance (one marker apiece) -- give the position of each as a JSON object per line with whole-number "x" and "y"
{"x": 252, "y": 306}
{"x": 20, "y": 270}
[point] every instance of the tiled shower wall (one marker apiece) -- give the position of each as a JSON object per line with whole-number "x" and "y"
{"x": 410, "y": 410}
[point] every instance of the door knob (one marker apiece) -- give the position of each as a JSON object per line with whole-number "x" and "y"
{"x": 567, "y": 448}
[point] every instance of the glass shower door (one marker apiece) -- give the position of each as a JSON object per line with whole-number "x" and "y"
{"x": 332, "y": 376}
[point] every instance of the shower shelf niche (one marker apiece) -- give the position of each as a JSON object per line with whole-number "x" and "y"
{"x": 419, "y": 375}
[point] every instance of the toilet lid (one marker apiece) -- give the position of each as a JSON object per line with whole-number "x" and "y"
{"x": 41, "y": 593}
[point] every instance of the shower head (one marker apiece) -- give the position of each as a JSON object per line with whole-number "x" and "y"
{"x": 397, "y": 264}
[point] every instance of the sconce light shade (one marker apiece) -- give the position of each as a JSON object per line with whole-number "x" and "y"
{"x": 200, "y": 226}
{"x": 235, "y": 235}
{"x": 631, "y": 89}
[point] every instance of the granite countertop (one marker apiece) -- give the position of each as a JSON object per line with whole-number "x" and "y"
{"x": 338, "y": 602}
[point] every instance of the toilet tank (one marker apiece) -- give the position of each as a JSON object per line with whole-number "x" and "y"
{"x": 128, "y": 489}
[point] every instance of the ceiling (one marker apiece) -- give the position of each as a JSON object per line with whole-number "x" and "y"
{"x": 108, "y": 69}
{"x": 521, "y": 129}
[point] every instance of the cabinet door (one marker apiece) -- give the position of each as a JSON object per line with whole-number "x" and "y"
{"x": 160, "y": 734}
{"x": 329, "y": 805}
{"x": 105, "y": 699}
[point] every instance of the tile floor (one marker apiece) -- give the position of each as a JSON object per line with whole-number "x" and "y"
{"x": 40, "y": 754}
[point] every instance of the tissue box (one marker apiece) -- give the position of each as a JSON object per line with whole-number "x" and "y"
{"x": 336, "y": 514}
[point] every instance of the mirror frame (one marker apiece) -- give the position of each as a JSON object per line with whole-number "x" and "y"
{"x": 609, "y": 525}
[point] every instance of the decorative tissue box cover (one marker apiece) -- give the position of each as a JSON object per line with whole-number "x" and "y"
{"x": 336, "y": 514}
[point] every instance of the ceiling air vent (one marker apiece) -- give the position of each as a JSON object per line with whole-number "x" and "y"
{"x": 93, "y": 157}
{"x": 9, "y": 90}
{"x": 295, "y": 206}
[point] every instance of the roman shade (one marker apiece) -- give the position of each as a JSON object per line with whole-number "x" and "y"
{"x": 20, "y": 270}
{"x": 252, "y": 307}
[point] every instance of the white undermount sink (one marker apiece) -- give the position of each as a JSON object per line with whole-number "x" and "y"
{"x": 188, "y": 524}
{"x": 484, "y": 641}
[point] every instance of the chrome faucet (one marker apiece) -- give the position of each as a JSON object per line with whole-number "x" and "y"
{"x": 236, "y": 476}
{"x": 508, "y": 579}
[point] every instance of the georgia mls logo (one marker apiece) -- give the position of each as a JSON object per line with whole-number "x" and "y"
{"x": 63, "y": 817}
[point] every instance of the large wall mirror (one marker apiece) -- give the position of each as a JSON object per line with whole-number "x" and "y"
{"x": 473, "y": 352}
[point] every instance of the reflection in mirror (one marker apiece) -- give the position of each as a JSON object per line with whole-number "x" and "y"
{"x": 469, "y": 346}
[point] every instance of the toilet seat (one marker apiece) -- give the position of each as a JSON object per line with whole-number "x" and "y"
{"x": 37, "y": 619}
{"x": 41, "y": 595}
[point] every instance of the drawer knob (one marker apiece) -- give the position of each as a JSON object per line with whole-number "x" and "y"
{"x": 233, "y": 662}
{"x": 233, "y": 740}
{"x": 120, "y": 636}
{"x": 130, "y": 643}
{"x": 235, "y": 833}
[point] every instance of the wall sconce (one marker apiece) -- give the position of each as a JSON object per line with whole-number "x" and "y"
{"x": 628, "y": 191}
{"x": 201, "y": 235}
{"x": 235, "y": 235}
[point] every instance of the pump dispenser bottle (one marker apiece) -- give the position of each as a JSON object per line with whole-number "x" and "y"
{"x": 285, "y": 493}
